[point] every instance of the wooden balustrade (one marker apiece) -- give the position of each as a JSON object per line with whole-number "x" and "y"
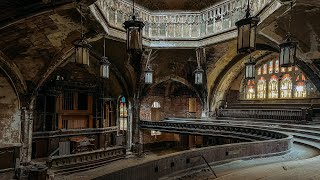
{"x": 282, "y": 114}
{"x": 245, "y": 133}
{"x": 86, "y": 157}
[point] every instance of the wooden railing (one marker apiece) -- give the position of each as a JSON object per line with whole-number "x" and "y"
{"x": 282, "y": 114}
{"x": 244, "y": 133}
{"x": 86, "y": 157}
{"x": 68, "y": 132}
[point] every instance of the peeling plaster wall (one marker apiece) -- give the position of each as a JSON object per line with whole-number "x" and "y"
{"x": 10, "y": 125}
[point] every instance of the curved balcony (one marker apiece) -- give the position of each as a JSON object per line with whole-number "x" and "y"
{"x": 244, "y": 133}
{"x": 180, "y": 29}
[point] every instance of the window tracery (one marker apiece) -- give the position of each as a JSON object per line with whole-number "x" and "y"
{"x": 273, "y": 81}
{"x": 273, "y": 87}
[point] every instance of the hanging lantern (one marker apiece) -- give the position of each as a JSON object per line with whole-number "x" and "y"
{"x": 134, "y": 33}
{"x": 250, "y": 70}
{"x": 148, "y": 78}
{"x": 82, "y": 48}
{"x": 82, "y": 52}
{"x": 247, "y": 32}
{"x": 288, "y": 48}
{"x": 104, "y": 63}
{"x": 104, "y": 67}
{"x": 198, "y": 76}
{"x": 288, "y": 53}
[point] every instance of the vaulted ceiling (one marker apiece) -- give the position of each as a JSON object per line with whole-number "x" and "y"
{"x": 34, "y": 42}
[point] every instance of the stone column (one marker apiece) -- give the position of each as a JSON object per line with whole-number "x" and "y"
{"x": 203, "y": 89}
{"x": 26, "y": 134}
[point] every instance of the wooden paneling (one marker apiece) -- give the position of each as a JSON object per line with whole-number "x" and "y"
{"x": 155, "y": 114}
{"x": 192, "y": 105}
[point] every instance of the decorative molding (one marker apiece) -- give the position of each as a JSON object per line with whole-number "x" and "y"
{"x": 180, "y": 29}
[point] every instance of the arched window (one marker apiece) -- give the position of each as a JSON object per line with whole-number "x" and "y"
{"x": 276, "y": 66}
{"x": 265, "y": 68}
{"x": 250, "y": 91}
{"x": 261, "y": 89}
{"x": 292, "y": 84}
{"x": 273, "y": 87}
{"x": 123, "y": 114}
{"x": 259, "y": 71}
{"x": 270, "y": 67}
{"x": 286, "y": 87}
{"x": 300, "y": 89}
{"x": 155, "y": 104}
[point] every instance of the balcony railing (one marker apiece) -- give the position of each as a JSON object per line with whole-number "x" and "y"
{"x": 180, "y": 25}
{"x": 281, "y": 114}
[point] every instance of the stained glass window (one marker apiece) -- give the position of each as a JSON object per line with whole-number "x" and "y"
{"x": 270, "y": 67}
{"x": 276, "y": 67}
{"x": 261, "y": 89}
{"x": 250, "y": 92}
{"x": 265, "y": 68}
{"x": 123, "y": 115}
{"x": 273, "y": 87}
{"x": 300, "y": 90}
{"x": 286, "y": 87}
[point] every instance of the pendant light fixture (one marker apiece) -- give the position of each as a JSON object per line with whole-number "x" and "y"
{"x": 82, "y": 47}
{"x": 288, "y": 49}
{"x": 198, "y": 73}
{"x": 250, "y": 69}
{"x": 148, "y": 73}
{"x": 134, "y": 33}
{"x": 247, "y": 32}
{"x": 104, "y": 63}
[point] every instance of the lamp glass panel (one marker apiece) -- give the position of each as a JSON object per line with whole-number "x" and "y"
{"x": 134, "y": 38}
{"x": 198, "y": 77}
{"x": 292, "y": 54}
{"x": 148, "y": 77}
{"x": 104, "y": 71}
{"x": 286, "y": 58}
{"x": 240, "y": 37}
{"x": 281, "y": 55}
{"x": 246, "y": 36}
{"x": 253, "y": 36}
{"x": 82, "y": 55}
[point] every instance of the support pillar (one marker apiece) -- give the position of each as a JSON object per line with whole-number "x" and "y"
{"x": 26, "y": 135}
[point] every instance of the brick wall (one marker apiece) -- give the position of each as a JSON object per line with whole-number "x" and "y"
{"x": 174, "y": 106}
